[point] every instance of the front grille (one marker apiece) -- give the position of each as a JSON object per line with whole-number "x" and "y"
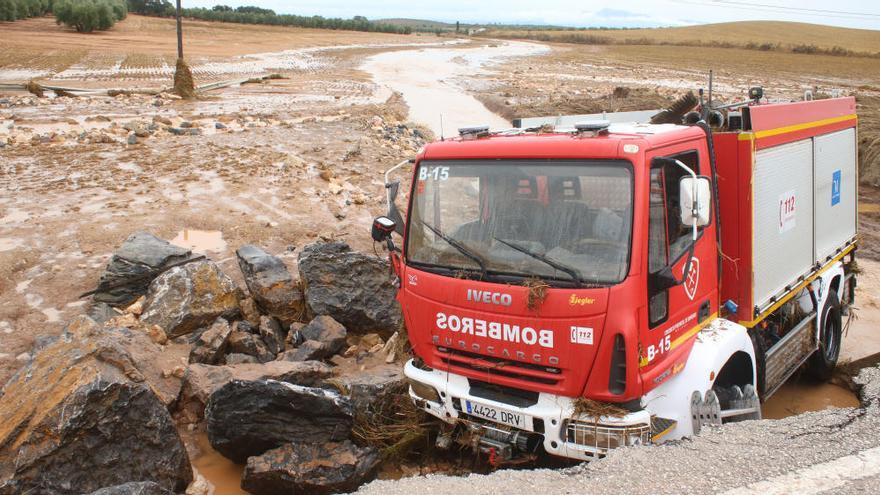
{"x": 489, "y": 366}
{"x": 499, "y": 393}
{"x": 605, "y": 437}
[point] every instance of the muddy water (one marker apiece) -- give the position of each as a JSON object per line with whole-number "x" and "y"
{"x": 200, "y": 241}
{"x": 800, "y": 396}
{"x": 430, "y": 82}
{"x": 224, "y": 474}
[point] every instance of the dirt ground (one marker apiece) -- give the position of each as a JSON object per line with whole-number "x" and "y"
{"x": 141, "y": 49}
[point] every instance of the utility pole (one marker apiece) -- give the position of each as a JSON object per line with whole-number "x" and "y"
{"x": 179, "y": 33}
{"x": 183, "y": 80}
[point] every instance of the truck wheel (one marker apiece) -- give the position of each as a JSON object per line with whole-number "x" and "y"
{"x": 822, "y": 362}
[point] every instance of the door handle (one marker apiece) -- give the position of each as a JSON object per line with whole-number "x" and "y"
{"x": 703, "y": 313}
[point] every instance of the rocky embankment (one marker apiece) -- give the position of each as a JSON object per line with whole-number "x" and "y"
{"x": 276, "y": 372}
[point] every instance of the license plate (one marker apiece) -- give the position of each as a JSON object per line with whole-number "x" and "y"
{"x": 498, "y": 415}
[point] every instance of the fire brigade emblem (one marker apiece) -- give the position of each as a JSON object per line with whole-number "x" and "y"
{"x": 693, "y": 279}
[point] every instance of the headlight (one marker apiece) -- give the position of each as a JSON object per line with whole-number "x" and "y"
{"x": 424, "y": 391}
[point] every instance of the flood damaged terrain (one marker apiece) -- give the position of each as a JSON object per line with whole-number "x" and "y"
{"x": 289, "y": 162}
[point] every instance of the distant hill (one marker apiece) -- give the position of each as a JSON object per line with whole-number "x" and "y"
{"x": 760, "y": 35}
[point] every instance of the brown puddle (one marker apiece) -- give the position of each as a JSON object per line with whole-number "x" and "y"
{"x": 800, "y": 396}
{"x": 224, "y": 474}
{"x": 200, "y": 240}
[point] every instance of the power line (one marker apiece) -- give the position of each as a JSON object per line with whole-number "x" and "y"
{"x": 802, "y": 9}
{"x": 776, "y": 9}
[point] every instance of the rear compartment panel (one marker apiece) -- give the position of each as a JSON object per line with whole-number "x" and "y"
{"x": 782, "y": 217}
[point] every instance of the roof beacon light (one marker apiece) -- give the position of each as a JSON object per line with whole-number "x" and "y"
{"x": 473, "y": 132}
{"x": 594, "y": 126}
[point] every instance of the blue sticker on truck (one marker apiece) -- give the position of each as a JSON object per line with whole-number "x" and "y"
{"x": 835, "y": 187}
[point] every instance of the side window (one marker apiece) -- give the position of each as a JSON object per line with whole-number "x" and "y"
{"x": 668, "y": 238}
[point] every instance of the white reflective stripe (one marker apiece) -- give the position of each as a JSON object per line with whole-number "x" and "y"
{"x": 817, "y": 478}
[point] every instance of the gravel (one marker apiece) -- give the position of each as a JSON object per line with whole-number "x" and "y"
{"x": 718, "y": 459}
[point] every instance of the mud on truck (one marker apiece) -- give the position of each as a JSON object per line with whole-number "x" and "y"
{"x": 572, "y": 286}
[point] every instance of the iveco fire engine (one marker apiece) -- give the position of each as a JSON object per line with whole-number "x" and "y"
{"x": 578, "y": 284}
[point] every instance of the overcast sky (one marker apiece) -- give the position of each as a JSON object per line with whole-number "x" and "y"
{"x": 632, "y": 13}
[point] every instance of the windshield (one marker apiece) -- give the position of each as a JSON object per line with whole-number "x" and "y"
{"x": 555, "y": 220}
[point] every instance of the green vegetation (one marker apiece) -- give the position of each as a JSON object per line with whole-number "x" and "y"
{"x": 13, "y": 10}
{"x": 257, "y": 15}
{"x": 89, "y": 15}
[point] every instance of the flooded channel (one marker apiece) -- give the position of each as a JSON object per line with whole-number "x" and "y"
{"x": 800, "y": 396}
{"x": 430, "y": 81}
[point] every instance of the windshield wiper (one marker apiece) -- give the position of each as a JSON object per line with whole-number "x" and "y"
{"x": 461, "y": 248}
{"x": 540, "y": 257}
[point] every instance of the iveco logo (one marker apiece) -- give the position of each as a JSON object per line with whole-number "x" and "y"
{"x": 487, "y": 297}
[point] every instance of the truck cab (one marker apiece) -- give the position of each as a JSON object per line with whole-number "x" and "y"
{"x": 556, "y": 287}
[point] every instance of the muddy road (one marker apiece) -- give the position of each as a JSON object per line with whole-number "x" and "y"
{"x": 434, "y": 82}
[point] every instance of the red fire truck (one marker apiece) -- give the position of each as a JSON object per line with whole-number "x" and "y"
{"x": 577, "y": 288}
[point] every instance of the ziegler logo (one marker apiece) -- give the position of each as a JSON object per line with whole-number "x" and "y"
{"x": 487, "y": 297}
{"x": 574, "y": 300}
{"x": 693, "y": 279}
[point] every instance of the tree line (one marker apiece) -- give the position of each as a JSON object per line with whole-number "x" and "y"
{"x": 83, "y": 15}
{"x": 257, "y": 15}
{"x": 13, "y": 10}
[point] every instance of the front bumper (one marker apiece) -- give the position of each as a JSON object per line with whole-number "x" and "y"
{"x": 583, "y": 438}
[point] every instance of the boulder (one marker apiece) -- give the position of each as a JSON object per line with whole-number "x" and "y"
{"x": 201, "y": 380}
{"x": 272, "y": 333}
{"x": 247, "y": 418}
{"x": 134, "y": 488}
{"x": 327, "y": 331}
{"x": 82, "y": 415}
{"x": 139, "y": 356}
{"x": 139, "y": 260}
{"x": 187, "y": 297}
{"x": 334, "y": 467}
{"x": 251, "y": 344}
{"x": 307, "y": 351}
{"x": 249, "y": 311}
{"x": 370, "y": 389}
{"x": 270, "y": 284}
{"x": 101, "y": 312}
{"x": 354, "y": 288}
{"x": 211, "y": 344}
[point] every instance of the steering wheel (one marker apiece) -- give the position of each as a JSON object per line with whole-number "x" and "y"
{"x": 586, "y": 245}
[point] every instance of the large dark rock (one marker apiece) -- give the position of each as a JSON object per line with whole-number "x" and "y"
{"x": 310, "y": 469}
{"x": 272, "y": 333}
{"x": 373, "y": 389}
{"x": 82, "y": 415}
{"x": 247, "y": 418}
{"x": 211, "y": 344}
{"x": 189, "y": 297}
{"x": 134, "y": 265}
{"x": 307, "y": 351}
{"x": 270, "y": 284}
{"x": 250, "y": 344}
{"x": 200, "y": 380}
{"x": 321, "y": 338}
{"x": 329, "y": 332}
{"x": 353, "y": 288}
{"x": 134, "y": 488}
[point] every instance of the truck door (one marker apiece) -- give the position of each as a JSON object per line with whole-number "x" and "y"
{"x": 674, "y": 313}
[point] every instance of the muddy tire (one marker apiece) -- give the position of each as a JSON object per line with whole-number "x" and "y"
{"x": 822, "y": 362}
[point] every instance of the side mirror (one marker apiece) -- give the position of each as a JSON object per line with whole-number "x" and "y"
{"x": 382, "y": 229}
{"x": 695, "y": 199}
